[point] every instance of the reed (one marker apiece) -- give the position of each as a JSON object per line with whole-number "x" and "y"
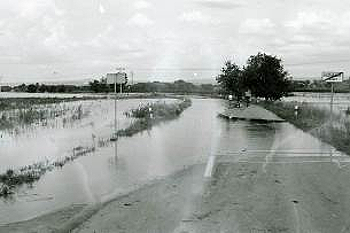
{"x": 152, "y": 114}
{"x": 12, "y": 179}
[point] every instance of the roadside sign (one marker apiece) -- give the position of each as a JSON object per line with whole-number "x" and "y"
{"x": 332, "y": 77}
{"x": 118, "y": 78}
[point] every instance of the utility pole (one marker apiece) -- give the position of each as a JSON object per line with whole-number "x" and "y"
{"x": 115, "y": 108}
{"x": 332, "y": 100}
{"x": 332, "y": 77}
{"x": 114, "y": 78}
{"x": 115, "y": 119}
{"x": 132, "y": 78}
{"x": 115, "y": 113}
{"x": 121, "y": 70}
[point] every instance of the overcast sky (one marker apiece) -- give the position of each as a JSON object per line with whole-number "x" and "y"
{"x": 163, "y": 39}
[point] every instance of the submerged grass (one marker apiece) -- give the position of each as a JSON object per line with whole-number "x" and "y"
{"x": 315, "y": 121}
{"x": 145, "y": 117}
{"x": 40, "y": 114}
{"x": 12, "y": 179}
{"x": 153, "y": 114}
{"x": 20, "y": 103}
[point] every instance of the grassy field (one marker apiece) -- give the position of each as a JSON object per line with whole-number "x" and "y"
{"x": 315, "y": 121}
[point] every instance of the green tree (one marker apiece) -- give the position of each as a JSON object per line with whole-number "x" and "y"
{"x": 99, "y": 86}
{"x": 180, "y": 86}
{"x": 231, "y": 80}
{"x": 32, "y": 88}
{"x": 95, "y": 86}
{"x": 265, "y": 76}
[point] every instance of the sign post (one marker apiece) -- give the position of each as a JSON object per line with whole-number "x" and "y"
{"x": 332, "y": 77}
{"x": 248, "y": 96}
{"x": 116, "y": 78}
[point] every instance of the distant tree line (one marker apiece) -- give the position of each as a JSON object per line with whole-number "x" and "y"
{"x": 101, "y": 86}
{"x": 43, "y": 88}
{"x": 179, "y": 86}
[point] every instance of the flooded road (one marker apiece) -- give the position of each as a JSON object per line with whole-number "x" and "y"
{"x": 167, "y": 148}
{"x": 265, "y": 178}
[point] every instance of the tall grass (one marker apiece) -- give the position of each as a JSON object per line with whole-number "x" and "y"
{"x": 153, "y": 114}
{"x": 12, "y": 179}
{"x": 315, "y": 121}
{"x": 19, "y": 103}
{"x": 40, "y": 114}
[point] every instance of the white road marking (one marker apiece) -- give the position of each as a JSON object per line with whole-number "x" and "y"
{"x": 297, "y": 217}
{"x": 282, "y": 162}
{"x": 209, "y": 168}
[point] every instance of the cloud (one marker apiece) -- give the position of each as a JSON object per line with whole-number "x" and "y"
{"x": 193, "y": 16}
{"x": 34, "y": 9}
{"x": 141, "y": 20}
{"x": 319, "y": 27}
{"x": 262, "y": 26}
{"x": 320, "y": 20}
{"x": 85, "y": 35}
{"x": 142, "y": 4}
{"x": 220, "y": 4}
{"x": 196, "y": 16}
{"x": 102, "y": 9}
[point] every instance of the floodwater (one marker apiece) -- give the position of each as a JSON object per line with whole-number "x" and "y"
{"x": 341, "y": 101}
{"x": 166, "y": 148}
{"x": 55, "y": 138}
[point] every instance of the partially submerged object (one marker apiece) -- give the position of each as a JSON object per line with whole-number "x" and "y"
{"x": 251, "y": 113}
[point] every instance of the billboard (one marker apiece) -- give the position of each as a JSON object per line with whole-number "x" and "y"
{"x": 332, "y": 77}
{"x": 119, "y": 78}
